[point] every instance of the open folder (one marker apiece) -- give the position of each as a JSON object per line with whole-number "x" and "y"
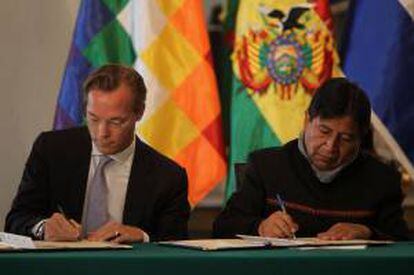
{"x": 79, "y": 245}
{"x": 13, "y": 242}
{"x": 249, "y": 242}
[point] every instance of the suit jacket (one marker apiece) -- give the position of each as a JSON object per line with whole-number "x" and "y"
{"x": 56, "y": 174}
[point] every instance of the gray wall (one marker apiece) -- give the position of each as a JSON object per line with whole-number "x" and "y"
{"x": 35, "y": 38}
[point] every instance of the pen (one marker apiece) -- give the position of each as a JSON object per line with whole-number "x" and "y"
{"x": 281, "y": 204}
{"x": 72, "y": 222}
{"x": 113, "y": 237}
{"x": 60, "y": 209}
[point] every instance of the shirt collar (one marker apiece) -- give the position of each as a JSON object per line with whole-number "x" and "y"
{"x": 323, "y": 176}
{"x": 120, "y": 156}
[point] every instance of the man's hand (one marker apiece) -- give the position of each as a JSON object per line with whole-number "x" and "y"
{"x": 117, "y": 233}
{"x": 279, "y": 225}
{"x": 346, "y": 231}
{"x": 58, "y": 228}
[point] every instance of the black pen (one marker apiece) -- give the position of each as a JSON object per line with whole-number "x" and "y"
{"x": 113, "y": 237}
{"x": 60, "y": 209}
{"x": 282, "y": 206}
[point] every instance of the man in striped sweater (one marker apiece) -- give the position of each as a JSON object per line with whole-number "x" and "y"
{"x": 331, "y": 188}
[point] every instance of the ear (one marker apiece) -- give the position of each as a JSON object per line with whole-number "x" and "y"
{"x": 140, "y": 112}
{"x": 307, "y": 120}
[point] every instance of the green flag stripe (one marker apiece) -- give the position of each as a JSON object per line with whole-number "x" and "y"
{"x": 111, "y": 45}
{"x": 249, "y": 130}
{"x": 115, "y": 5}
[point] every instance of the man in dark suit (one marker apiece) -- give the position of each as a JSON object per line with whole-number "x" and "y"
{"x": 67, "y": 192}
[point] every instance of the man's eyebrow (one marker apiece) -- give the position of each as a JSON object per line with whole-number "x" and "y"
{"x": 324, "y": 127}
{"x": 351, "y": 135}
{"x": 90, "y": 113}
{"x": 321, "y": 125}
{"x": 116, "y": 118}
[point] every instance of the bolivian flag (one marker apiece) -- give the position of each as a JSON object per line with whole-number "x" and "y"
{"x": 283, "y": 50}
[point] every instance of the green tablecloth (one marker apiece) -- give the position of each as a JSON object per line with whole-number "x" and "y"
{"x": 153, "y": 259}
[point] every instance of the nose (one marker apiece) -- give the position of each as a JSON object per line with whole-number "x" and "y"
{"x": 332, "y": 143}
{"x": 103, "y": 130}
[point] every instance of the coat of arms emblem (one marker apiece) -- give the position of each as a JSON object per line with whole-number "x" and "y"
{"x": 288, "y": 48}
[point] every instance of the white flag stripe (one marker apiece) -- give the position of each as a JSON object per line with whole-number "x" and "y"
{"x": 394, "y": 147}
{"x": 144, "y": 22}
{"x": 157, "y": 94}
{"x": 124, "y": 17}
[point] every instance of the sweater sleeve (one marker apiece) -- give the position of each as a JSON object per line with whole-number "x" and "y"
{"x": 389, "y": 222}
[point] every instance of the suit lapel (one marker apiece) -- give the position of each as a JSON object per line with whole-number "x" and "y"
{"x": 138, "y": 181}
{"x": 80, "y": 175}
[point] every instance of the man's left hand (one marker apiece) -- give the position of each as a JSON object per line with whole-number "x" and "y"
{"x": 346, "y": 231}
{"x": 117, "y": 233}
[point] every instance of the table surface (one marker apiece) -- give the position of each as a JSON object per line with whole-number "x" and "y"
{"x": 155, "y": 259}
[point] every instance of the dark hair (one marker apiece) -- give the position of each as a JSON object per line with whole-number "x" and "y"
{"x": 109, "y": 77}
{"x": 339, "y": 97}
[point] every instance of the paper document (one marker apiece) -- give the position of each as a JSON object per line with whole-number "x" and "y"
{"x": 215, "y": 244}
{"x": 4, "y": 246}
{"x": 248, "y": 241}
{"x": 301, "y": 242}
{"x": 50, "y": 246}
{"x": 44, "y": 245}
{"x": 15, "y": 241}
{"x": 12, "y": 242}
{"x": 330, "y": 247}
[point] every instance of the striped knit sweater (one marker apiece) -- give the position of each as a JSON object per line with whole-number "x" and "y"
{"x": 365, "y": 192}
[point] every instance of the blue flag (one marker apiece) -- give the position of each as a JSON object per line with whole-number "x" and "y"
{"x": 379, "y": 56}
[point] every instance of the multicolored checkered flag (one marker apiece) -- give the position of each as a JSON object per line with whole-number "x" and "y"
{"x": 167, "y": 42}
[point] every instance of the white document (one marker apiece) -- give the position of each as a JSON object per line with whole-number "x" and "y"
{"x": 16, "y": 241}
{"x": 314, "y": 242}
{"x": 13, "y": 242}
{"x": 78, "y": 245}
{"x": 215, "y": 244}
{"x": 335, "y": 247}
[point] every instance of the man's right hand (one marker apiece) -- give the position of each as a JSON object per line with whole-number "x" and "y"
{"x": 279, "y": 225}
{"x": 58, "y": 228}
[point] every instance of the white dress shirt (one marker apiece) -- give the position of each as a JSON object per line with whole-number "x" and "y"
{"x": 117, "y": 174}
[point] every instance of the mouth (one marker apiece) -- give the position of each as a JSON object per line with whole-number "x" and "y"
{"x": 326, "y": 159}
{"x": 102, "y": 144}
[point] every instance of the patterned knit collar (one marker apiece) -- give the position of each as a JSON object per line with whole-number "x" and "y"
{"x": 323, "y": 176}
